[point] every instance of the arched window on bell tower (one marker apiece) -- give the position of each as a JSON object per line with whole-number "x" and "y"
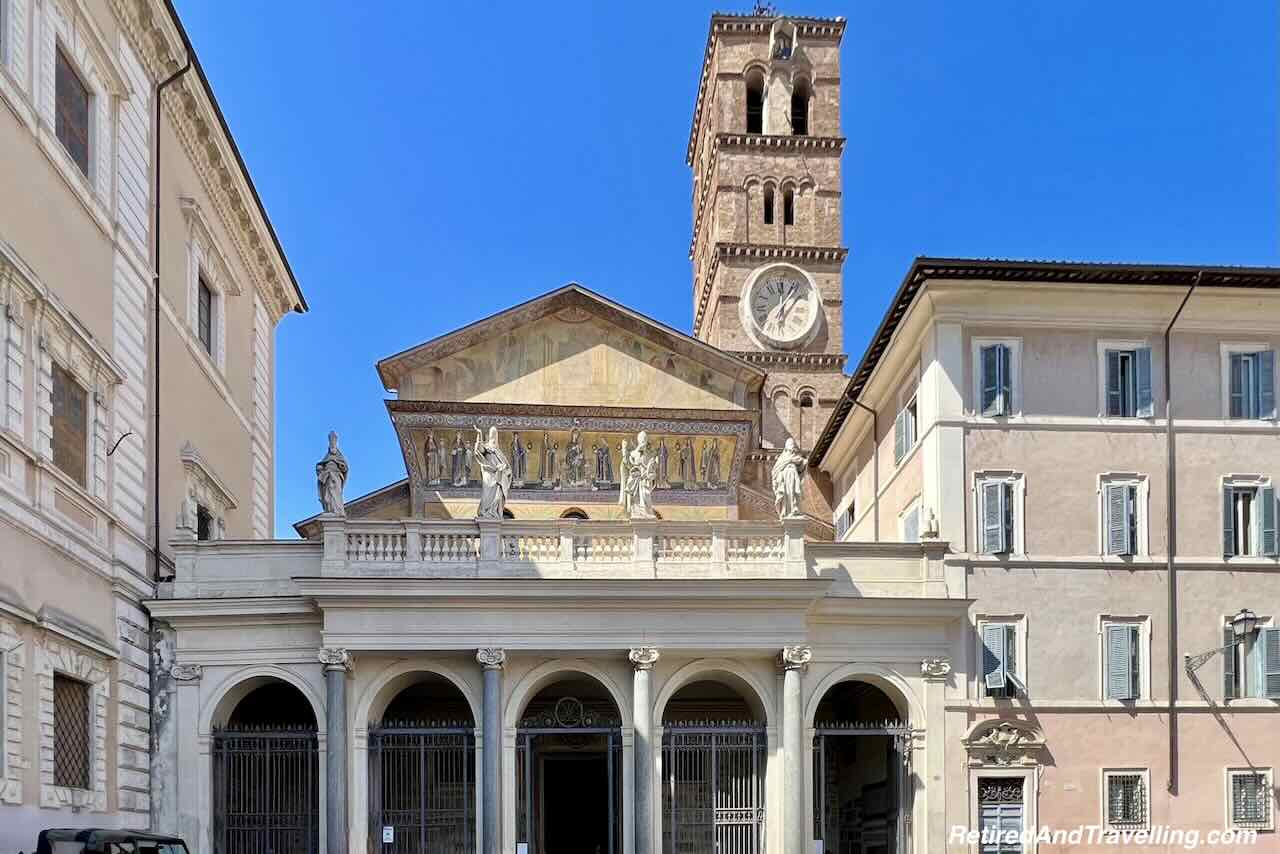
{"x": 768, "y": 204}
{"x": 755, "y": 101}
{"x": 789, "y": 205}
{"x": 800, "y": 108}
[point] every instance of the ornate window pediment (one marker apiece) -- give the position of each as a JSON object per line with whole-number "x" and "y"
{"x": 1003, "y": 743}
{"x": 205, "y": 490}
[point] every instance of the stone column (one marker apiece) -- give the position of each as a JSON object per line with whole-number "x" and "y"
{"x": 336, "y": 662}
{"x": 492, "y": 661}
{"x": 793, "y": 660}
{"x": 642, "y": 659}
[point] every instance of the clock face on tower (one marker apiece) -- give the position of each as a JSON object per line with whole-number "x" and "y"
{"x": 780, "y": 306}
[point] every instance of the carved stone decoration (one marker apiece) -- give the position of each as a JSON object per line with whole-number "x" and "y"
{"x": 1003, "y": 743}
{"x": 491, "y": 658}
{"x": 334, "y": 658}
{"x": 331, "y": 477}
{"x": 643, "y": 657}
{"x": 639, "y": 475}
{"x": 495, "y": 475}
{"x": 519, "y": 460}
{"x": 935, "y": 668}
{"x": 795, "y": 657}
{"x": 186, "y": 672}
{"x": 788, "y": 481}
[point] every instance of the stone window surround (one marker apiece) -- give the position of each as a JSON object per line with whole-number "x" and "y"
{"x": 1019, "y": 482}
{"x": 1105, "y": 344}
{"x": 1248, "y": 481}
{"x": 1233, "y": 771}
{"x": 976, "y": 344}
{"x": 1143, "y": 504}
{"x": 1143, "y": 622}
{"x": 207, "y": 489}
{"x": 1226, "y": 349}
{"x": 12, "y": 667}
{"x": 56, "y": 656}
{"x": 205, "y": 261}
{"x": 1019, "y": 622}
{"x": 1104, "y": 777}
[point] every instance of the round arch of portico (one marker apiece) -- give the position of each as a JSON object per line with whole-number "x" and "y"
{"x": 224, "y": 698}
{"x": 735, "y": 674}
{"x": 891, "y": 682}
{"x": 550, "y": 672}
{"x": 399, "y": 675}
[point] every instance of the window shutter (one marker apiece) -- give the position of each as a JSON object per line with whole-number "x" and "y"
{"x": 1011, "y": 658}
{"x": 1119, "y": 663}
{"x": 993, "y": 518}
{"x": 900, "y": 436}
{"x": 1228, "y": 522}
{"x": 993, "y": 656}
{"x": 991, "y": 380}
{"x": 1271, "y": 663}
{"x": 1236, "y": 407}
{"x": 1228, "y": 662}
{"x": 1117, "y": 521}
{"x": 1115, "y": 395}
{"x": 1145, "y": 407}
{"x": 1267, "y": 384}
{"x": 1006, "y": 382}
{"x": 1267, "y": 518}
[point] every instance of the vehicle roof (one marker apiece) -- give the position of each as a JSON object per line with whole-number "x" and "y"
{"x": 96, "y": 836}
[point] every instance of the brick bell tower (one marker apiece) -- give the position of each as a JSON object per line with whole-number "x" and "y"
{"x": 765, "y": 150}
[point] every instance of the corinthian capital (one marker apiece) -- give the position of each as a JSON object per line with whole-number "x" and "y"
{"x": 491, "y": 658}
{"x": 643, "y": 657}
{"x": 795, "y": 657}
{"x": 335, "y": 658}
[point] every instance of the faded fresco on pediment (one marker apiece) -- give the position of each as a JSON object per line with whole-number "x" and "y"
{"x": 574, "y": 359}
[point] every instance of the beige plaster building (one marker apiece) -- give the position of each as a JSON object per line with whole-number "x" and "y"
{"x": 79, "y": 197}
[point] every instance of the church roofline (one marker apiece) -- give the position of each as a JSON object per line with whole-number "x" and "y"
{"x": 1030, "y": 272}
{"x": 725, "y": 22}
{"x": 391, "y": 368}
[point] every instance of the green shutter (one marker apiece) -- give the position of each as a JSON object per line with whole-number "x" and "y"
{"x": 1267, "y": 521}
{"x": 1228, "y": 662}
{"x": 1238, "y": 391}
{"x": 1117, "y": 522}
{"x": 1145, "y": 407}
{"x": 1120, "y": 660}
{"x": 996, "y": 398}
{"x": 899, "y": 436}
{"x": 1006, "y": 381}
{"x": 993, "y": 656}
{"x": 993, "y": 518}
{"x": 1115, "y": 394}
{"x": 1228, "y": 522}
{"x": 1271, "y": 663}
{"x": 1267, "y": 384}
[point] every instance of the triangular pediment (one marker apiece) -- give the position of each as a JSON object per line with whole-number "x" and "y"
{"x": 572, "y": 347}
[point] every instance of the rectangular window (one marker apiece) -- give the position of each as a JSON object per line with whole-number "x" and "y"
{"x": 1001, "y": 672}
{"x": 204, "y": 316}
{"x": 996, "y": 516}
{"x": 70, "y": 425}
{"x": 904, "y": 430}
{"x": 1128, "y": 383}
{"x": 997, "y": 382}
{"x": 1250, "y": 793}
{"x": 71, "y": 726}
{"x": 1253, "y": 385}
{"x": 1249, "y": 520}
{"x": 1122, "y": 661}
{"x": 1126, "y": 798}
{"x": 204, "y": 523}
{"x": 1251, "y": 668}
{"x": 1120, "y": 504}
{"x": 72, "y": 101}
{"x": 844, "y": 521}
{"x": 1000, "y": 815}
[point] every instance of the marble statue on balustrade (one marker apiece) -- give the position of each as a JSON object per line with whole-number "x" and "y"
{"x": 788, "y": 481}
{"x": 664, "y": 479}
{"x": 711, "y": 463}
{"x": 575, "y": 461}
{"x": 638, "y": 473}
{"x": 331, "y": 477}
{"x": 495, "y": 475}
{"x": 519, "y": 460}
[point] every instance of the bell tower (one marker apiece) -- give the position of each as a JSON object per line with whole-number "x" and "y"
{"x": 766, "y": 151}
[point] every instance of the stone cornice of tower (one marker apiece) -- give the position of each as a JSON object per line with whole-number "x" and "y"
{"x": 814, "y": 144}
{"x": 756, "y": 250}
{"x": 152, "y": 30}
{"x": 804, "y": 362}
{"x": 721, "y": 22}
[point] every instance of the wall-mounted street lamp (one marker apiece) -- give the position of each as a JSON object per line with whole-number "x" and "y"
{"x": 1243, "y": 625}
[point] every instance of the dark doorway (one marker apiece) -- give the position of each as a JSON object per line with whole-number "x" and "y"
{"x": 575, "y": 804}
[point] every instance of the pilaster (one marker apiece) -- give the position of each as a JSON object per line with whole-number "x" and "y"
{"x": 643, "y": 658}
{"x": 793, "y": 660}
{"x": 492, "y": 660}
{"x": 336, "y": 664}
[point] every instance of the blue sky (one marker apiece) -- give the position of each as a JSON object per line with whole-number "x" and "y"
{"x": 427, "y": 164}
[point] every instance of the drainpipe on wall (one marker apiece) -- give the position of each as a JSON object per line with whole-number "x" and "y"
{"x": 875, "y": 469}
{"x": 1171, "y": 545}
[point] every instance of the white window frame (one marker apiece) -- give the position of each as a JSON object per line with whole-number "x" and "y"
{"x": 1019, "y": 623}
{"x": 1019, "y": 494}
{"x": 1030, "y": 798}
{"x": 206, "y": 261}
{"x": 1236, "y": 771}
{"x": 1105, "y": 775}
{"x": 913, "y": 506}
{"x": 1257, "y": 483}
{"x": 908, "y": 393}
{"x": 1015, "y": 375}
{"x": 1229, "y": 348}
{"x": 1143, "y": 623}
{"x": 1112, "y": 344}
{"x": 1142, "y": 547}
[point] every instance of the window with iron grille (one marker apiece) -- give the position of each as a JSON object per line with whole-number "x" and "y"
{"x": 71, "y": 99}
{"x": 70, "y": 732}
{"x": 1126, "y": 794}
{"x": 1250, "y": 792}
{"x": 204, "y": 318}
{"x": 70, "y": 425}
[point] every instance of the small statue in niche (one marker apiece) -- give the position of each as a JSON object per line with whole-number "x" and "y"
{"x": 575, "y": 460}
{"x": 638, "y": 472}
{"x": 663, "y": 476}
{"x": 432, "y": 452}
{"x": 460, "y": 461}
{"x": 788, "y": 481}
{"x": 711, "y": 463}
{"x": 331, "y": 477}
{"x": 495, "y": 475}
{"x": 519, "y": 460}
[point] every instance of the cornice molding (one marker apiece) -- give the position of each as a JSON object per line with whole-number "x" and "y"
{"x": 800, "y": 361}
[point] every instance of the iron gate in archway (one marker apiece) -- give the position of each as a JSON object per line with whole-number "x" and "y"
{"x": 266, "y": 797}
{"x": 713, "y": 789}
{"x": 878, "y": 820}
{"x": 422, "y": 785}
